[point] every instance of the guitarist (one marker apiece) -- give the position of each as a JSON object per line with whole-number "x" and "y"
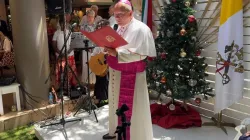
{"x": 101, "y": 85}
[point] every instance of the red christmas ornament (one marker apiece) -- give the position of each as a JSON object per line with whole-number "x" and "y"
{"x": 191, "y": 19}
{"x": 151, "y": 58}
{"x": 173, "y": 0}
{"x": 198, "y": 101}
{"x": 198, "y": 52}
{"x": 163, "y": 55}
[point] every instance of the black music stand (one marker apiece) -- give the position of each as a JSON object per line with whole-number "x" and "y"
{"x": 87, "y": 48}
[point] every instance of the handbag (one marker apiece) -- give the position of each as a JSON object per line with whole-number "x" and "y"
{"x": 77, "y": 91}
{"x": 5, "y": 81}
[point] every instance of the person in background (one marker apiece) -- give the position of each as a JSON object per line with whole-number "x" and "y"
{"x": 5, "y": 43}
{"x": 50, "y": 32}
{"x": 89, "y": 26}
{"x": 96, "y": 18}
{"x": 112, "y": 20}
{"x": 68, "y": 19}
{"x": 246, "y": 136}
{"x": 6, "y": 52}
{"x": 58, "y": 42}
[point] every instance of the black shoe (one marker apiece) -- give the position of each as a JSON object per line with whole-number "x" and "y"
{"x": 102, "y": 103}
{"x": 107, "y": 136}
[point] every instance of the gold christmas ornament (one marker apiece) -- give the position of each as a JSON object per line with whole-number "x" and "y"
{"x": 183, "y": 32}
{"x": 183, "y": 53}
{"x": 163, "y": 80}
{"x": 206, "y": 69}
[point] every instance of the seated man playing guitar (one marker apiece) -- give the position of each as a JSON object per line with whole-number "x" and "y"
{"x": 98, "y": 56}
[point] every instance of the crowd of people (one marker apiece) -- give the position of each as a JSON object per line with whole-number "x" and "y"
{"x": 89, "y": 22}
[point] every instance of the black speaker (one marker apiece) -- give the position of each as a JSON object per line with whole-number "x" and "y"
{"x": 56, "y": 6}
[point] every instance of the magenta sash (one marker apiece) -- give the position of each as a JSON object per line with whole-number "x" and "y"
{"x": 127, "y": 85}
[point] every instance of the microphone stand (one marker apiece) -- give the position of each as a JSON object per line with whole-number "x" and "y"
{"x": 64, "y": 74}
{"x": 121, "y": 130}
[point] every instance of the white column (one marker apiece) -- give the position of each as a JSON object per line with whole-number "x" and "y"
{"x": 31, "y": 46}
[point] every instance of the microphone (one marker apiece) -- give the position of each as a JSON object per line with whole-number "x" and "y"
{"x": 115, "y": 27}
{"x": 73, "y": 25}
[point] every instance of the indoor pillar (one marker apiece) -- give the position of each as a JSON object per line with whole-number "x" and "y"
{"x": 31, "y": 47}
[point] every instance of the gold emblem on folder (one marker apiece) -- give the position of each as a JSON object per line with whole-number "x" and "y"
{"x": 110, "y": 38}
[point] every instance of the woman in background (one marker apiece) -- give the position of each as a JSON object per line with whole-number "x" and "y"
{"x": 6, "y": 51}
{"x": 58, "y": 42}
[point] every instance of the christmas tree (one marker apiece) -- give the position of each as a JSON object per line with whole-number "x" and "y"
{"x": 178, "y": 71}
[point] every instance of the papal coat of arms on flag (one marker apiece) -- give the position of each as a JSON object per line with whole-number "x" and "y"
{"x": 234, "y": 60}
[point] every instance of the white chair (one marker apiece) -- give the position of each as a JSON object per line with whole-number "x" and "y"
{"x": 13, "y": 88}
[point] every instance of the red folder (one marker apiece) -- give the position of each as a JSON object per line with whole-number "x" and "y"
{"x": 105, "y": 37}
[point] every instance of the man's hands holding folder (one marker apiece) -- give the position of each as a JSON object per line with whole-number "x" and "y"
{"x": 105, "y": 36}
{"x": 111, "y": 51}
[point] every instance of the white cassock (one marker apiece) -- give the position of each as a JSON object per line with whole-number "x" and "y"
{"x": 141, "y": 44}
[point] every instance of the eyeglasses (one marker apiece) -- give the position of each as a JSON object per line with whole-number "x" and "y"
{"x": 119, "y": 15}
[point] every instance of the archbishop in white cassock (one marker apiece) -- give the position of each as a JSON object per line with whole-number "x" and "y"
{"x": 140, "y": 45}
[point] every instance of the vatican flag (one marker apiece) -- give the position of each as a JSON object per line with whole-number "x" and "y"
{"x": 229, "y": 63}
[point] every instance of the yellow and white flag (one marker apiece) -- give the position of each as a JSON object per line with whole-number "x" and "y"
{"x": 229, "y": 64}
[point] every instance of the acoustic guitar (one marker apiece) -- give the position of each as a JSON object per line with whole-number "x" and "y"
{"x": 97, "y": 64}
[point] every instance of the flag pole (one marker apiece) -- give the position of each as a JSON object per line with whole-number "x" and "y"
{"x": 219, "y": 123}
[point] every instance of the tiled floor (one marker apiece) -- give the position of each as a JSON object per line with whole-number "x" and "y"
{"x": 88, "y": 129}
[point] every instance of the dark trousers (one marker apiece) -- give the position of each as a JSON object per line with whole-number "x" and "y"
{"x": 101, "y": 87}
